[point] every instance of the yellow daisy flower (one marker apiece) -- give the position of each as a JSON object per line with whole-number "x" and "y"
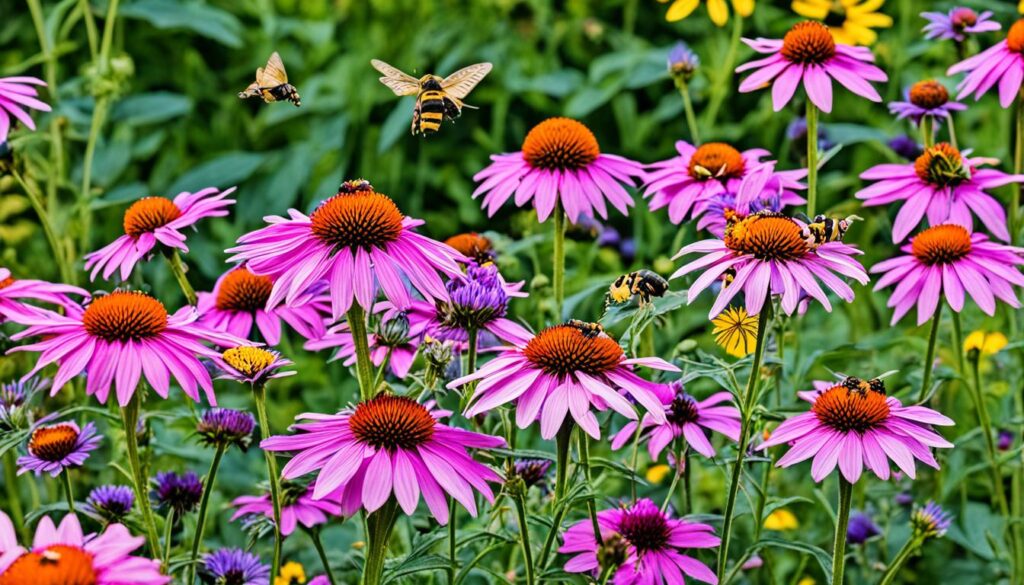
{"x": 657, "y": 473}
{"x": 985, "y": 342}
{"x": 292, "y": 573}
{"x": 735, "y": 331}
{"x": 781, "y": 519}
{"x": 1020, "y": 7}
{"x": 850, "y": 21}
{"x": 807, "y": 581}
{"x": 717, "y": 9}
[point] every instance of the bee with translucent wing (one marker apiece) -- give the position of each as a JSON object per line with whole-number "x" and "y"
{"x": 272, "y": 83}
{"x": 437, "y": 99}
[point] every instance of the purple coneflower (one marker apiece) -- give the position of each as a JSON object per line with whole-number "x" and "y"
{"x": 566, "y": 370}
{"x": 686, "y": 418}
{"x": 235, "y": 566}
{"x": 645, "y": 544}
{"x": 560, "y": 164}
{"x": 16, "y": 96}
{"x": 1002, "y": 63}
{"x": 54, "y": 448}
{"x": 855, "y": 425}
{"x": 297, "y": 507}
{"x": 942, "y": 262}
{"x": 925, "y": 98}
{"x": 533, "y": 472}
{"x": 110, "y": 502}
{"x": 156, "y": 220}
{"x": 957, "y": 24}
{"x": 248, "y": 364}
{"x": 808, "y": 54}
{"x": 388, "y": 445}
{"x": 225, "y": 427}
{"x": 119, "y": 338}
{"x": 478, "y": 301}
{"x": 13, "y": 293}
{"x": 942, "y": 184}
{"x": 178, "y": 492}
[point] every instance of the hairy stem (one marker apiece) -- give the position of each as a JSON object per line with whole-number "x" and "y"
{"x": 129, "y": 420}
{"x": 259, "y": 393}
{"x": 364, "y": 367}
{"x": 558, "y": 268}
{"x": 929, "y": 355}
{"x": 204, "y": 502}
{"x": 842, "y": 521}
{"x": 180, "y": 273}
{"x": 812, "y": 159}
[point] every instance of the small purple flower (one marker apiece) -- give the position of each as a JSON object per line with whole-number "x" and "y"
{"x": 906, "y": 147}
{"x": 533, "y": 472}
{"x": 904, "y": 498}
{"x": 861, "y": 528}
{"x": 234, "y": 566}
{"x": 925, "y": 98}
{"x": 297, "y": 507}
{"x": 957, "y": 24}
{"x": 111, "y": 503}
{"x": 609, "y": 237}
{"x": 226, "y": 427}
{"x": 931, "y": 521}
{"x": 1004, "y": 440}
{"x": 479, "y": 301}
{"x": 14, "y": 399}
{"x": 682, "y": 61}
{"x": 180, "y": 493}
{"x": 54, "y": 448}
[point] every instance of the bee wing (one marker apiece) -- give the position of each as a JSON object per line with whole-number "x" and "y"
{"x": 460, "y": 83}
{"x": 273, "y": 74}
{"x": 397, "y": 81}
{"x": 252, "y": 90}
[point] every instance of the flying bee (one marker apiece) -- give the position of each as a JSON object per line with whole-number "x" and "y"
{"x": 272, "y": 84}
{"x": 642, "y": 283}
{"x": 824, "y": 229}
{"x": 589, "y": 330}
{"x": 863, "y": 386}
{"x": 437, "y": 99}
{"x": 728, "y": 276}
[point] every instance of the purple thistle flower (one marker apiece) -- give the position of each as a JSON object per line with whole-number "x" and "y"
{"x": 957, "y": 24}
{"x": 906, "y": 147}
{"x": 16, "y": 96}
{"x": 180, "y": 493}
{"x": 110, "y": 502}
{"x": 478, "y": 300}
{"x": 931, "y": 521}
{"x": 533, "y": 472}
{"x": 861, "y": 528}
{"x": 233, "y": 566}
{"x": 226, "y": 427}
{"x": 1004, "y": 440}
{"x": 54, "y": 448}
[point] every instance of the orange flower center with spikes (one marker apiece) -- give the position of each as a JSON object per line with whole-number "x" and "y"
{"x": 845, "y": 409}
{"x": 125, "y": 316}
{"x": 941, "y": 244}
{"x": 243, "y": 291}
{"x": 767, "y": 237}
{"x": 560, "y": 144}
{"x": 472, "y": 245}
{"x": 929, "y": 94}
{"x": 808, "y": 42}
{"x": 363, "y": 219}
{"x": 392, "y": 422}
{"x": 1015, "y": 37}
{"x": 56, "y": 565}
{"x": 53, "y": 443}
{"x": 565, "y": 349}
{"x": 941, "y": 165}
{"x": 149, "y": 213}
{"x": 716, "y": 160}
{"x": 6, "y": 282}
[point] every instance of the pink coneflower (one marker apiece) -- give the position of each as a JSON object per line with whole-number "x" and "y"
{"x": 1002, "y": 63}
{"x": 153, "y": 221}
{"x": 239, "y": 300}
{"x": 560, "y": 162}
{"x": 944, "y": 261}
{"x": 943, "y": 185}
{"x": 398, "y": 335}
{"x": 808, "y": 54}
{"x": 855, "y": 425}
{"x": 687, "y": 418}
{"x": 65, "y": 555}
{"x": 686, "y": 184}
{"x": 54, "y": 448}
{"x": 565, "y": 370}
{"x": 13, "y": 293}
{"x": 119, "y": 338}
{"x": 16, "y": 96}
{"x": 957, "y": 24}
{"x": 358, "y": 241}
{"x": 770, "y": 254}
{"x": 388, "y": 445}
{"x": 646, "y": 545}
{"x": 297, "y": 507}
{"x": 926, "y": 98}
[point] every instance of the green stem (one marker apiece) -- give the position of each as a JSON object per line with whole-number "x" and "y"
{"x": 812, "y": 159}
{"x": 453, "y": 558}
{"x": 168, "y": 529}
{"x": 562, "y": 443}
{"x": 180, "y": 273}
{"x": 364, "y": 367}
{"x": 524, "y": 537}
{"x": 472, "y": 350}
{"x": 129, "y": 420}
{"x": 13, "y": 497}
{"x": 1018, "y": 166}
{"x": 952, "y": 132}
{"x": 558, "y": 269}
{"x": 901, "y": 557}
{"x": 259, "y": 393}
{"x": 927, "y": 134}
{"x": 68, "y": 491}
{"x": 929, "y": 355}
{"x": 691, "y": 118}
{"x": 986, "y": 431}
{"x": 314, "y": 535}
{"x": 585, "y": 463}
{"x": 680, "y": 469}
{"x": 725, "y": 74}
{"x": 204, "y": 502}
{"x": 749, "y": 401}
{"x": 36, "y": 198}
{"x": 958, "y": 344}
{"x": 842, "y": 521}
{"x": 379, "y": 526}
{"x": 90, "y": 29}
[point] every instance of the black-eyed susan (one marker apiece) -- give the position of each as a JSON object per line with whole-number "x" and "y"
{"x": 851, "y": 22}
{"x": 718, "y": 10}
{"x": 736, "y": 331}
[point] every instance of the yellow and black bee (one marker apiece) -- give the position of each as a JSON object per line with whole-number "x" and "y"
{"x": 590, "y": 330}
{"x": 863, "y": 386}
{"x": 728, "y": 276}
{"x": 437, "y": 99}
{"x": 826, "y": 229}
{"x": 272, "y": 84}
{"x": 642, "y": 283}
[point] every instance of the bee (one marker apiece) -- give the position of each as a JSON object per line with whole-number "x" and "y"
{"x": 589, "y": 330}
{"x": 728, "y": 276}
{"x": 437, "y": 99}
{"x": 863, "y": 386}
{"x": 272, "y": 83}
{"x": 642, "y": 283}
{"x": 826, "y": 229}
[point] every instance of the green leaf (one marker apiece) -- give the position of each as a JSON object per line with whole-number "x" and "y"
{"x": 151, "y": 108}
{"x": 224, "y": 171}
{"x": 415, "y": 564}
{"x": 824, "y": 559}
{"x": 396, "y": 124}
{"x": 202, "y": 19}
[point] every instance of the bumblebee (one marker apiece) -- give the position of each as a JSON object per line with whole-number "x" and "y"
{"x": 826, "y": 229}
{"x": 437, "y": 99}
{"x": 589, "y": 330}
{"x": 863, "y": 386}
{"x": 272, "y": 84}
{"x": 642, "y": 283}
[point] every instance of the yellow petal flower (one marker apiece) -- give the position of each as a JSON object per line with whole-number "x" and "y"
{"x": 816, "y": 9}
{"x": 657, "y": 473}
{"x": 1020, "y": 7}
{"x": 781, "y": 519}
{"x": 291, "y": 573}
{"x": 680, "y": 9}
{"x": 718, "y": 12}
{"x": 743, "y": 7}
{"x": 807, "y": 581}
{"x": 735, "y": 331}
{"x": 859, "y": 17}
{"x": 985, "y": 342}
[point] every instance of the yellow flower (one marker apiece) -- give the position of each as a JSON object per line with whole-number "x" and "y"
{"x": 854, "y": 19}
{"x": 1020, "y": 7}
{"x": 735, "y": 331}
{"x": 292, "y": 573}
{"x": 984, "y": 342}
{"x": 781, "y": 519}
{"x": 717, "y": 9}
{"x": 807, "y": 581}
{"x": 656, "y": 473}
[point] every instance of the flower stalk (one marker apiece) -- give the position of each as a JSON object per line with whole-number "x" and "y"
{"x": 929, "y": 355}
{"x": 204, "y": 503}
{"x": 912, "y": 544}
{"x": 314, "y": 535}
{"x": 66, "y": 478}
{"x": 130, "y": 420}
{"x": 842, "y": 522}
{"x": 364, "y": 367}
{"x": 812, "y": 158}
{"x": 379, "y": 526}
{"x": 259, "y": 393}
{"x": 179, "y": 271}
{"x": 558, "y": 268}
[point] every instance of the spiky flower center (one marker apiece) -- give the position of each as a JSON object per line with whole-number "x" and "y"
{"x": 563, "y": 350}
{"x": 941, "y": 165}
{"x": 962, "y": 18}
{"x": 682, "y": 410}
{"x": 808, "y": 42}
{"x": 149, "y": 213}
{"x": 362, "y": 219}
{"x": 473, "y": 246}
{"x": 560, "y": 144}
{"x": 929, "y": 94}
{"x": 392, "y": 422}
{"x": 53, "y": 443}
{"x": 845, "y": 409}
{"x": 125, "y": 316}
{"x": 767, "y": 237}
{"x": 941, "y": 244}
{"x": 716, "y": 160}
{"x": 244, "y": 292}
{"x": 645, "y": 528}
{"x": 58, "y": 564}
{"x": 248, "y": 360}
{"x": 1015, "y": 37}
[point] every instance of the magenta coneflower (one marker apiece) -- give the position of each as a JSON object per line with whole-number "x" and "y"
{"x": 925, "y": 98}
{"x": 645, "y": 545}
{"x": 687, "y": 418}
{"x": 853, "y": 424}
{"x": 944, "y": 261}
{"x": 388, "y": 445}
{"x": 65, "y": 555}
{"x": 957, "y": 24}
{"x": 13, "y": 293}
{"x": 1002, "y": 63}
{"x": 16, "y": 96}
{"x": 297, "y": 507}
{"x": 54, "y": 448}
{"x": 153, "y": 221}
{"x": 239, "y": 300}
{"x": 942, "y": 184}
{"x": 560, "y": 163}
{"x": 687, "y": 183}
{"x": 358, "y": 241}
{"x": 119, "y": 338}
{"x": 808, "y": 54}
{"x": 769, "y": 254}
{"x": 566, "y": 370}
